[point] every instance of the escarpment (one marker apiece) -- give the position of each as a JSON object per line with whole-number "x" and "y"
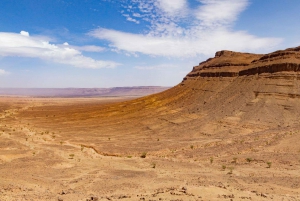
{"x": 232, "y": 93}
{"x": 233, "y": 64}
{"x": 224, "y": 99}
{"x": 245, "y": 89}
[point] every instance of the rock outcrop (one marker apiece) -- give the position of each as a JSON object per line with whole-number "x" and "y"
{"x": 233, "y": 64}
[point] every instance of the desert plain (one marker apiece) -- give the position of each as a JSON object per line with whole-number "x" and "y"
{"x": 229, "y": 131}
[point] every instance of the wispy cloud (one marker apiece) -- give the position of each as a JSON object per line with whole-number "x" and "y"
{"x": 219, "y": 12}
{"x": 24, "y": 45}
{"x": 3, "y": 72}
{"x": 172, "y": 7}
{"x": 86, "y": 48}
{"x": 155, "y": 67}
{"x": 176, "y": 30}
{"x": 128, "y": 18}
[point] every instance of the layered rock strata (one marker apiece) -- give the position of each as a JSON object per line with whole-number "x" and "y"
{"x": 233, "y": 64}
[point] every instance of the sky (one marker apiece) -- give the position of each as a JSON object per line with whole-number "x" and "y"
{"x": 115, "y": 43}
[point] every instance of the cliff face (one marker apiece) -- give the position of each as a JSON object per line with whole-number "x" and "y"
{"x": 233, "y": 64}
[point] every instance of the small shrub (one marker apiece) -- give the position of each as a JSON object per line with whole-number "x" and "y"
{"x": 71, "y": 156}
{"x": 230, "y": 170}
{"x": 153, "y": 165}
{"x": 211, "y": 160}
{"x": 249, "y": 160}
{"x": 223, "y": 167}
{"x": 144, "y": 154}
{"x": 269, "y": 164}
{"x": 234, "y": 160}
{"x": 192, "y": 146}
{"x": 129, "y": 156}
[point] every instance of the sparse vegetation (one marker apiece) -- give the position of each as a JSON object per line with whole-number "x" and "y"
{"x": 223, "y": 167}
{"x": 249, "y": 160}
{"x": 211, "y": 160}
{"x": 230, "y": 170}
{"x": 234, "y": 160}
{"x": 153, "y": 165}
{"x": 143, "y": 155}
{"x": 269, "y": 164}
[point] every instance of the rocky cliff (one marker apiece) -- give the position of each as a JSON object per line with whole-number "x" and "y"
{"x": 233, "y": 64}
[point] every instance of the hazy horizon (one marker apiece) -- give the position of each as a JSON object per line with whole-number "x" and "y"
{"x": 83, "y": 92}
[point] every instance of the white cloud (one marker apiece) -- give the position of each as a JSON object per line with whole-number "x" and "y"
{"x": 207, "y": 43}
{"x": 136, "y": 15}
{"x": 154, "y": 67}
{"x": 24, "y": 45}
{"x": 24, "y": 33}
{"x": 132, "y": 20}
{"x": 179, "y": 31}
{"x": 220, "y": 12}
{"x": 3, "y": 72}
{"x": 89, "y": 48}
{"x": 172, "y": 7}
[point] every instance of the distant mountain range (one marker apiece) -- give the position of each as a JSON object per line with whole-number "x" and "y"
{"x": 83, "y": 92}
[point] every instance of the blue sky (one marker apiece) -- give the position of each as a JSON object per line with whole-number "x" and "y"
{"x": 109, "y": 43}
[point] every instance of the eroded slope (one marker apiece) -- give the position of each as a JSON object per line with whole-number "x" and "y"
{"x": 221, "y": 134}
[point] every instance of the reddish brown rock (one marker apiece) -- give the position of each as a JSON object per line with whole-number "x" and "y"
{"x": 233, "y": 64}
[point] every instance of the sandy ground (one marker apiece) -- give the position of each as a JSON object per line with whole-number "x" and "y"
{"x": 65, "y": 149}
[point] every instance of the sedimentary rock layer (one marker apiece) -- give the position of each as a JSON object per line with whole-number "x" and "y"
{"x": 233, "y": 64}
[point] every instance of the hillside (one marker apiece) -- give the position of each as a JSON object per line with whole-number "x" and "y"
{"x": 228, "y": 131}
{"x": 232, "y": 92}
